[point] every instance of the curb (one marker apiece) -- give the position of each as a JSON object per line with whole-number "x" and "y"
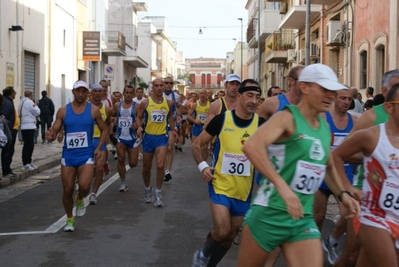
{"x": 22, "y": 175}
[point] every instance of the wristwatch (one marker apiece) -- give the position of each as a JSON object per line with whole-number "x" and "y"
{"x": 343, "y": 192}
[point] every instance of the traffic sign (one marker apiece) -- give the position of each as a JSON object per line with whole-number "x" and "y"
{"x": 109, "y": 70}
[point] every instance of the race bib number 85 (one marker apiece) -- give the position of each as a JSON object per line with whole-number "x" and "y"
{"x": 158, "y": 115}
{"x": 236, "y": 164}
{"x": 76, "y": 140}
{"x": 389, "y": 197}
{"x": 308, "y": 177}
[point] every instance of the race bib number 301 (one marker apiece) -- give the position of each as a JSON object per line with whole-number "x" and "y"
{"x": 236, "y": 164}
{"x": 158, "y": 115}
{"x": 308, "y": 177}
{"x": 76, "y": 140}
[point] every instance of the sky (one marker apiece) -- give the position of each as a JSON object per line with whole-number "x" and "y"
{"x": 216, "y": 18}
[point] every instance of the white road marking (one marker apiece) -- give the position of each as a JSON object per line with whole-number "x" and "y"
{"x": 55, "y": 227}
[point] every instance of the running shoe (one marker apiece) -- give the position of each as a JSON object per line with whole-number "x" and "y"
{"x": 27, "y": 167}
{"x": 158, "y": 200}
{"x": 80, "y": 207}
{"x": 180, "y": 149}
{"x": 140, "y": 156}
{"x": 107, "y": 169}
{"x": 33, "y": 166}
{"x": 115, "y": 156}
{"x": 237, "y": 239}
{"x": 69, "y": 225}
{"x": 76, "y": 187}
{"x": 11, "y": 175}
{"x": 148, "y": 195}
{"x": 123, "y": 188}
{"x": 331, "y": 251}
{"x": 167, "y": 177}
{"x": 93, "y": 198}
{"x": 199, "y": 260}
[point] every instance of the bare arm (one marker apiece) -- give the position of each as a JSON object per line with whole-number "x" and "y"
{"x": 268, "y": 107}
{"x": 190, "y": 117}
{"x": 140, "y": 116}
{"x": 213, "y": 111}
{"x": 96, "y": 114}
{"x": 363, "y": 122}
{"x": 196, "y": 148}
{"x": 170, "y": 116}
{"x": 52, "y": 133}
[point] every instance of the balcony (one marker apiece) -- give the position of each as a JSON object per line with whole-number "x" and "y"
{"x": 269, "y": 21}
{"x": 275, "y": 0}
{"x": 277, "y": 45}
{"x": 296, "y": 16}
{"x": 114, "y": 44}
{"x": 205, "y": 86}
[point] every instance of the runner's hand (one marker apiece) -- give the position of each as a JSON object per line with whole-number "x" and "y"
{"x": 60, "y": 137}
{"x": 294, "y": 206}
{"x": 351, "y": 205}
{"x": 50, "y": 134}
{"x": 207, "y": 175}
{"x": 97, "y": 154}
{"x": 356, "y": 193}
{"x": 139, "y": 132}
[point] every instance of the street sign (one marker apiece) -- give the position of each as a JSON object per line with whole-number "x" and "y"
{"x": 109, "y": 70}
{"x": 91, "y": 46}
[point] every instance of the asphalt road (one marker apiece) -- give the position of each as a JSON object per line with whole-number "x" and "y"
{"x": 122, "y": 230}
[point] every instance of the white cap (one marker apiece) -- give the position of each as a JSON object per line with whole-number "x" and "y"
{"x": 232, "y": 77}
{"x": 323, "y": 75}
{"x": 80, "y": 83}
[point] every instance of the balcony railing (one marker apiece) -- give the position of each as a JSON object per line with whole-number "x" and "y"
{"x": 250, "y": 31}
{"x": 280, "y": 40}
{"x": 205, "y": 86}
{"x": 115, "y": 43}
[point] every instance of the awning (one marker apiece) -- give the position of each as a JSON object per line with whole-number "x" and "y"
{"x": 135, "y": 61}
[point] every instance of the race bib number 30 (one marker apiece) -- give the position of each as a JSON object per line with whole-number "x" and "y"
{"x": 308, "y": 177}
{"x": 158, "y": 115}
{"x": 389, "y": 197}
{"x": 76, "y": 140}
{"x": 125, "y": 122}
{"x": 236, "y": 164}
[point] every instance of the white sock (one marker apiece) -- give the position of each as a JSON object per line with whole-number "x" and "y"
{"x": 167, "y": 172}
{"x": 157, "y": 191}
{"x": 148, "y": 188}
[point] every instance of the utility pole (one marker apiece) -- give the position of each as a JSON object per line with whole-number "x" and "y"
{"x": 259, "y": 52}
{"x": 307, "y": 34}
{"x": 241, "y": 46}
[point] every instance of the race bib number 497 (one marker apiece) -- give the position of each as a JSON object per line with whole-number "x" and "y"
{"x": 76, "y": 140}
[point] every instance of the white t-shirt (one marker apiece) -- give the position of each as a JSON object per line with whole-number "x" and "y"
{"x": 138, "y": 101}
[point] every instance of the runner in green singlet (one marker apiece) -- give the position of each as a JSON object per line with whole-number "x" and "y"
{"x": 297, "y": 141}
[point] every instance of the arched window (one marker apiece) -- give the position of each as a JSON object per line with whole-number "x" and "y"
{"x": 363, "y": 69}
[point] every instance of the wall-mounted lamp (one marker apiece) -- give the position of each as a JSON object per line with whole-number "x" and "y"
{"x": 15, "y": 28}
{"x": 200, "y": 31}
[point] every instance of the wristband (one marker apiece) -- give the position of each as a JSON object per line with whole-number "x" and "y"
{"x": 343, "y": 192}
{"x": 202, "y": 166}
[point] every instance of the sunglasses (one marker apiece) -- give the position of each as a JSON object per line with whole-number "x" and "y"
{"x": 168, "y": 82}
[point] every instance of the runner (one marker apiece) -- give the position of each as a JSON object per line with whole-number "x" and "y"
{"x": 378, "y": 225}
{"x": 341, "y": 123}
{"x": 125, "y": 112}
{"x": 174, "y": 98}
{"x": 230, "y": 178}
{"x": 96, "y": 95}
{"x": 197, "y": 115}
{"x": 297, "y": 142}
{"x": 156, "y": 112}
{"x": 77, "y": 154}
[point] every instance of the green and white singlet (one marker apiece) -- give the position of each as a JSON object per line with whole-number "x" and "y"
{"x": 301, "y": 162}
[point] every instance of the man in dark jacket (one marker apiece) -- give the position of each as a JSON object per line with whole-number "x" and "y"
{"x": 9, "y": 113}
{"x": 46, "y": 107}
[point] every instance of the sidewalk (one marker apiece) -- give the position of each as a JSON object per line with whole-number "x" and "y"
{"x": 45, "y": 156}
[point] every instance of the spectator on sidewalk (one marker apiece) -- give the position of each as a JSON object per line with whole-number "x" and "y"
{"x": 28, "y": 111}
{"x": 9, "y": 113}
{"x": 46, "y": 107}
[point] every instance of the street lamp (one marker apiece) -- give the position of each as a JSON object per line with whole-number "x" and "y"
{"x": 241, "y": 45}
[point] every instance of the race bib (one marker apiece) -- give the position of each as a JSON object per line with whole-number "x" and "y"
{"x": 202, "y": 117}
{"x": 236, "y": 164}
{"x": 76, "y": 140}
{"x": 158, "y": 115}
{"x": 389, "y": 197}
{"x": 124, "y": 122}
{"x": 308, "y": 177}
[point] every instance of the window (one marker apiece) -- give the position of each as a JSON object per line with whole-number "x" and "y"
{"x": 380, "y": 65}
{"x": 363, "y": 69}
